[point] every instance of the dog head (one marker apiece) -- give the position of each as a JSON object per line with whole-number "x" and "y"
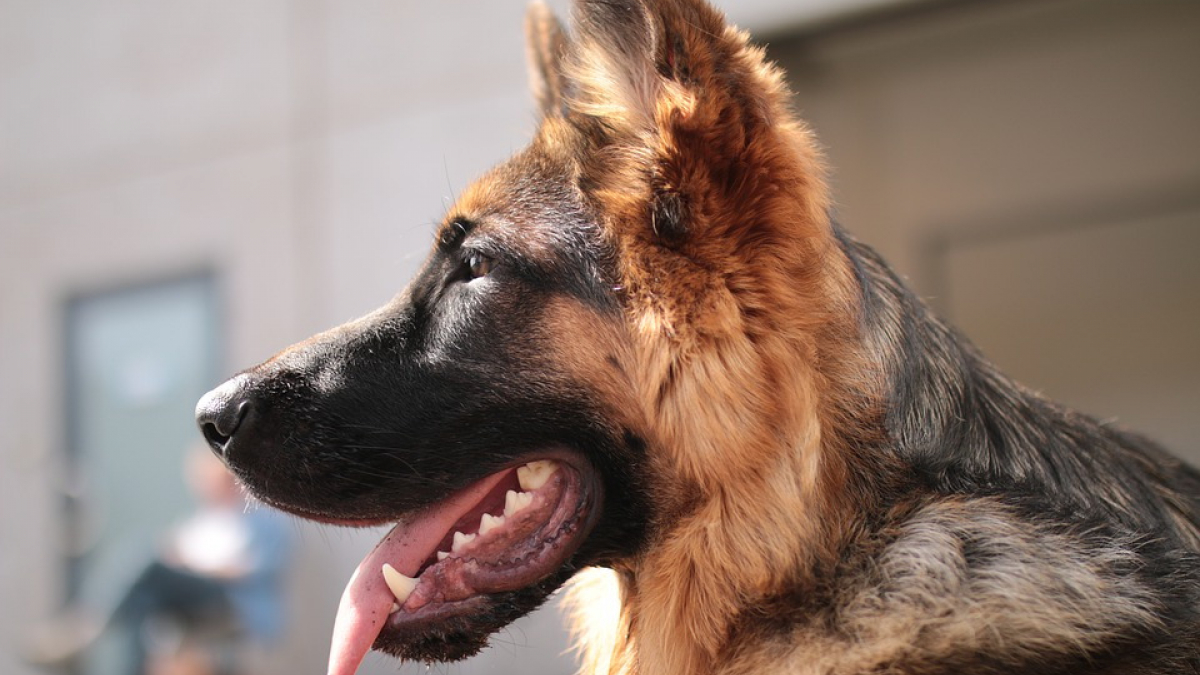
{"x": 617, "y": 331}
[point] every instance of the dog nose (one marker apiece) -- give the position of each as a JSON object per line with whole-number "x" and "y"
{"x": 222, "y": 411}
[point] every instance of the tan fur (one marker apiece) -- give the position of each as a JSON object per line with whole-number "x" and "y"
{"x": 743, "y": 368}
{"x": 548, "y": 44}
{"x": 1043, "y": 593}
{"x": 925, "y": 605}
{"x": 735, "y": 400}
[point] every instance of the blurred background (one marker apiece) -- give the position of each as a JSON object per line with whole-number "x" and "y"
{"x": 187, "y": 187}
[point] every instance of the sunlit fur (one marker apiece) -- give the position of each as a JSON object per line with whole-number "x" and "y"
{"x": 740, "y": 335}
{"x": 761, "y": 365}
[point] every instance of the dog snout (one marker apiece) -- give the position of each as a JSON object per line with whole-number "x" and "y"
{"x": 223, "y": 411}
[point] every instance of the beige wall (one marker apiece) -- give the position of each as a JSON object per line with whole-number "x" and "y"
{"x": 1030, "y": 164}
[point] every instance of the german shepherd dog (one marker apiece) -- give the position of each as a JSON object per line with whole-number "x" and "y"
{"x": 640, "y": 354}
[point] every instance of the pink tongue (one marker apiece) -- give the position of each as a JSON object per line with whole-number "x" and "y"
{"x": 367, "y": 601}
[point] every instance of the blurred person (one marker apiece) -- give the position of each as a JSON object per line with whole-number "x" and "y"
{"x": 219, "y": 575}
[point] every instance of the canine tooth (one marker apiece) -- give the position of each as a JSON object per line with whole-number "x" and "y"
{"x": 395, "y": 608}
{"x": 400, "y": 585}
{"x": 514, "y": 502}
{"x": 489, "y": 522}
{"x": 535, "y": 474}
{"x": 442, "y": 555}
{"x": 461, "y": 540}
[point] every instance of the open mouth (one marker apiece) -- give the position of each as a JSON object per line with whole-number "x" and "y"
{"x": 503, "y": 533}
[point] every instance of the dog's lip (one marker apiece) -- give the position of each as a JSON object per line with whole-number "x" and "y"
{"x": 364, "y": 612}
{"x": 347, "y": 522}
{"x": 364, "y": 521}
{"x": 325, "y": 518}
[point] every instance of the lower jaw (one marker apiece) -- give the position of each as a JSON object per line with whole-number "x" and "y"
{"x": 455, "y": 584}
{"x": 433, "y": 613}
{"x": 452, "y": 630}
{"x": 447, "y": 632}
{"x": 458, "y": 630}
{"x": 459, "y": 602}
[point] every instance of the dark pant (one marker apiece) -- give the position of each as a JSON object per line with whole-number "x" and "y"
{"x": 196, "y": 602}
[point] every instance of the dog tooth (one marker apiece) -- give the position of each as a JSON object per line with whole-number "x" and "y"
{"x": 395, "y": 608}
{"x": 461, "y": 540}
{"x": 489, "y": 522}
{"x": 400, "y": 585}
{"x": 535, "y": 474}
{"x": 442, "y": 555}
{"x": 515, "y": 502}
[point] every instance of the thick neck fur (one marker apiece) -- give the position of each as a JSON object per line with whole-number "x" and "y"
{"x": 948, "y": 423}
{"x": 760, "y": 450}
{"x": 961, "y": 426}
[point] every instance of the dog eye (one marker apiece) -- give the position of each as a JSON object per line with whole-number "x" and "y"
{"x": 479, "y": 265}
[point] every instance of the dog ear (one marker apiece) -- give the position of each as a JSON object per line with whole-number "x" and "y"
{"x": 687, "y": 96}
{"x": 546, "y": 47}
{"x": 611, "y": 66}
{"x": 640, "y": 62}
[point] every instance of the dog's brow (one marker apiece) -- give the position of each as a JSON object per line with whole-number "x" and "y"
{"x": 453, "y": 233}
